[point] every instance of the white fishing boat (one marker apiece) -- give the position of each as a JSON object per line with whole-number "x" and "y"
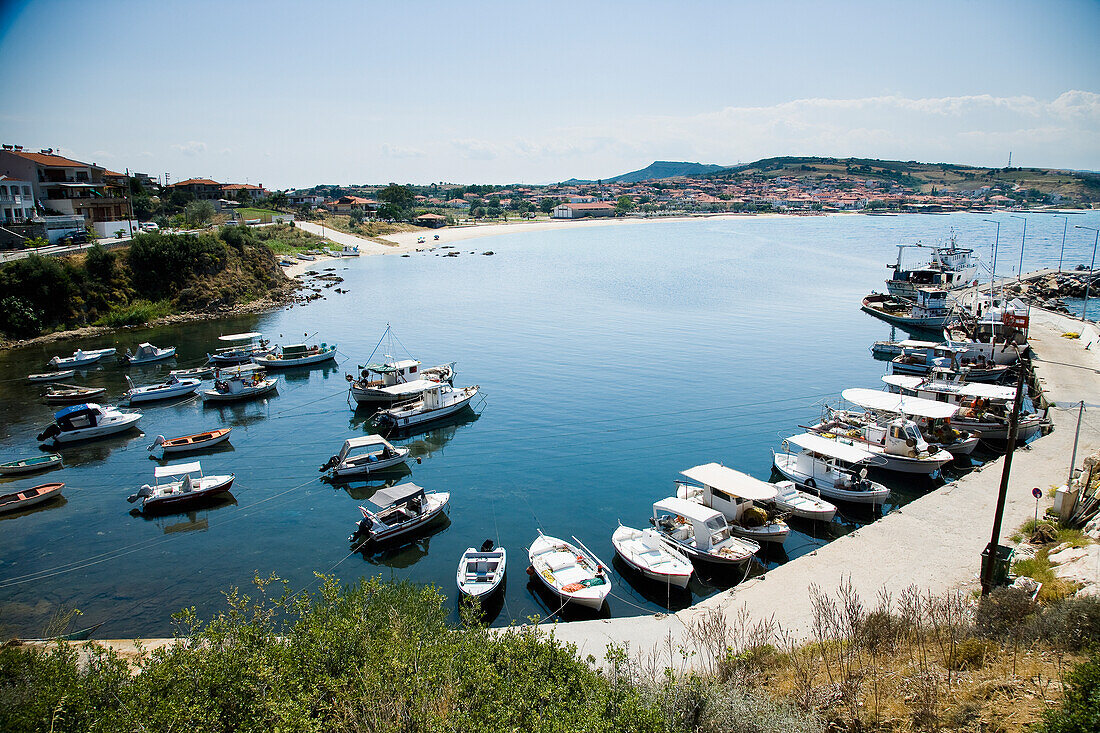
{"x": 30, "y": 465}
{"x": 87, "y": 421}
{"x": 365, "y": 454}
{"x": 648, "y": 553}
{"x": 172, "y": 387}
{"x": 64, "y": 394}
{"x": 435, "y": 403}
{"x": 51, "y": 376}
{"x": 700, "y": 533}
{"x": 79, "y": 358}
{"x": 189, "y": 489}
{"x": 404, "y": 509}
{"x": 235, "y": 389}
{"x": 932, "y": 418}
{"x": 306, "y": 257}
{"x": 147, "y": 354}
{"x": 187, "y": 443}
{"x": 350, "y": 251}
{"x": 950, "y": 266}
{"x": 397, "y": 381}
{"x": 897, "y": 443}
{"x": 481, "y": 572}
{"x": 26, "y": 498}
{"x": 294, "y": 355}
{"x": 736, "y": 496}
{"x": 203, "y": 372}
{"x": 242, "y": 347}
{"x": 240, "y": 370}
{"x": 571, "y": 573}
{"x": 921, "y": 361}
{"x": 930, "y": 310}
{"x": 983, "y": 408}
{"x": 830, "y": 469}
{"x": 789, "y": 498}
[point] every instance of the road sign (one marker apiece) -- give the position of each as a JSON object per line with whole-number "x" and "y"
{"x": 1037, "y": 493}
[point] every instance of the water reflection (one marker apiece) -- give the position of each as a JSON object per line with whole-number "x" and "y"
{"x": 552, "y": 607}
{"x": 95, "y": 450}
{"x": 665, "y": 595}
{"x": 204, "y": 504}
{"x": 55, "y": 503}
{"x": 404, "y": 553}
{"x": 362, "y": 489}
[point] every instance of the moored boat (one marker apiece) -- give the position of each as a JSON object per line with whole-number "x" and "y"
{"x": 87, "y": 421}
{"x": 30, "y": 465}
{"x": 51, "y": 376}
{"x": 921, "y": 361}
{"x": 896, "y": 443}
{"x": 932, "y": 417}
{"x": 789, "y": 498}
{"x": 147, "y": 354}
{"x": 701, "y": 533}
{"x": 481, "y": 572}
{"x": 397, "y": 381}
{"x": 404, "y": 510}
{"x": 735, "y": 495}
{"x": 294, "y": 355}
{"x": 929, "y": 311}
{"x": 435, "y": 403}
{"x": 172, "y": 387}
{"x": 241, "y": 349}
{"x": 950, "y": 266}
{"x": 572, "y": 574}
{"x": 63, "y": 394}
{"x": 187, "y": 490}
{"x": 647, "y": 552}
{"x": 79, "y": 358}
{"x": 187, "y": 443}
{"x": 830, "y": 469}
{"x": 365, "y": 454}
{"x": 239, "y": 388}
{"x": 26, "y": 498}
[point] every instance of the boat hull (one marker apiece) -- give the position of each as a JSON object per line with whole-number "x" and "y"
{"x": 30, "y": 465}
{"x": 188, "y": 443}
{"x": 20, "y": 500}
{"x": 677, "y": 578}
{"x": 397, "y": 421}
{"x": 270, "y": 362}
{"x": 365, "y": 466}
{"x": 476, "y": 589}
{"x": 822, "y": 487}
{"x": 213, "y": 395}
{"x": 144, "y": 394}
{"x": 221, "y": 485}
{"x": 99, "y": 431}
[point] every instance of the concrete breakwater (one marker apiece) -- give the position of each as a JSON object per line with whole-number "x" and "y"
{"x": 933, "y": 544}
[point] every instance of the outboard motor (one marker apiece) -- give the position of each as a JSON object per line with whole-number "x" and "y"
{"x": 143, "y": 492}
{"x": 487, "y": 546}
{"x": 331, "y": 463}
{"x": 50, "y": 432}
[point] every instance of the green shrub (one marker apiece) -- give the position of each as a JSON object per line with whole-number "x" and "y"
{"x": 137, "y": 313}
{"x": 1072, "y": 623}
{"x": 1003, "y": 613}
{"x": 970, "y": 654}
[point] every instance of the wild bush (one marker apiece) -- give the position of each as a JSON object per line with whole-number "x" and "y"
{"x": 1003, "y": 613}
{"x": 1080, "y": 708}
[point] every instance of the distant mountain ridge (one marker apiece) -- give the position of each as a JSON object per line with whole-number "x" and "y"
{"x": 660, "y": 169}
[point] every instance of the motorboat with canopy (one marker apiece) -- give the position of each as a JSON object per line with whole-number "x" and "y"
{"x": 436, "y": 402}
{"x": 972, "y": 368}
{"x": 736, "y": 495}
{"x": 171, "y": 387}
{"x": 87, "y": 421}
{"x": 950, "y": 266}
{"x": 147, "y": 354}
{"x": 830, "y": 469}
{"x": 233, "y": 389}
{"x": 186, "y": 490}
{"x": 403, "y": 510}
{"x": 365, "y": 454}
{"x": 293, "y": 355}
{"x": 701, "y": 533}
{"x": 241, "y": 348}
{"x": 929, "y": 310}
{"x": 932, "y": 418}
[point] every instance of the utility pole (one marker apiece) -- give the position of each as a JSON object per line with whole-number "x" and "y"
{"x": 993, "y": 548}
{"x": 1020, "y": 271}
{"x": 1088, "y": 280}
{"x": 1076, "y": 435}
{"x": 1062, "y": 253}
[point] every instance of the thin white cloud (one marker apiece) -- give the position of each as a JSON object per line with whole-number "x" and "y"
{"x": 190, "y": 148}
{"x": 401, "y": 151}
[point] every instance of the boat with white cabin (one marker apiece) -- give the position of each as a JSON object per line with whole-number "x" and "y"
{"x": 80, "y": 358}
{"x": 933, "y": 418}
{"x": 365, "y": 454}
{"x": 147, "y": 354}
{"x": 830, "y": 469}
{"x": 984, "y": 408}
{"x": 646, "y": 551}
{"x": 481, "y": 572}
{"x": 87, "y": 421}
{"x": 182, "y": 491}
{"x": 950, "y": 266}
{"x": 921, "y": 361}
{"x": 735, "y": 495}
{"x": 435, "y": 403}
{"x": 896, "y": 443}
{"x": 570, "y": 572}
{"x": 235, "y": 389}
{"x": 929, "y": 311}
{"x": 701, "y": 533}
{"x": 166, "y": 390}
{"x": 403, "y": 510}
{"x": 397, "y": 381}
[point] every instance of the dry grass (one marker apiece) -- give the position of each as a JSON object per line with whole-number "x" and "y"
{"x": 371, "y": 230}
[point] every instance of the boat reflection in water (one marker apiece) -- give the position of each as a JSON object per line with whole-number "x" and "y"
{"x": 362, "y": 489}
{"x": 401, "y": 553}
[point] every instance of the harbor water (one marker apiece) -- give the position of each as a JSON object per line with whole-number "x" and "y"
{"x": 609, "y": 358}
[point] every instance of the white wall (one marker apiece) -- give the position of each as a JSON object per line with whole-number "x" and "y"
{"x": 108, "y": 228}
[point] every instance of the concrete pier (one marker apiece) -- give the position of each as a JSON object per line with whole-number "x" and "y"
{"x": 933, "y": 543}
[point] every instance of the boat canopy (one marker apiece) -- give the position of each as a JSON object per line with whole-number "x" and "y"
{"x": 241, "y": 336}
{"x": 873, "y": 399}
{"x": 831, "y": 448}
{"x": 352, "y": 443}
{"x": 965, "y": 389}
{"x": 915, "y": 344}
{"x": 392, "y": 366}
{"x": 178, "y": 469}
{"x": 384, "y": 497}
{"x": 89, "y": 406}
{"x": 690, "y": 509}
{"x": 717, "y": 476}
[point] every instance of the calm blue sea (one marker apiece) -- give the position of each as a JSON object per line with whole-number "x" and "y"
{"x": 610, "y": 359}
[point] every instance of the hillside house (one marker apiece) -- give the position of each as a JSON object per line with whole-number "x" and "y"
{"x": 579, "y": 211}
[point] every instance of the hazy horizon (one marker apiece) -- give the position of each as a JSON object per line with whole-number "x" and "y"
{"x": 341, "y": 92}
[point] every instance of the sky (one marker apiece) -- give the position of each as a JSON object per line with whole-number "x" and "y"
{"x": 293, "y": 94}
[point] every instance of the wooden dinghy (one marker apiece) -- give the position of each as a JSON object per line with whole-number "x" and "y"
{"x": 63, "y": 395}
{"x": 30, "y": 465}
{"x": 186, "y": 443}
{"x": 26, "y": 498}
{"x": 51, "y": 376}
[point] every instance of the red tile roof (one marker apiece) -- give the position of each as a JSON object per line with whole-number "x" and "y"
{"x": 50, "y": 160}
{"x": 196, "y": 181}
{"x": 597, "y": 205}
{"x": 238, "y": 186}
{"x": 112, "y": 174}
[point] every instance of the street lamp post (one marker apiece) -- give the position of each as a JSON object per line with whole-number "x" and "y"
{"x": 996, "y": 244}
{"x": 1020, "y": 272}
{"x": 1088, "y": 281}
{"x": 1061, "y": 254}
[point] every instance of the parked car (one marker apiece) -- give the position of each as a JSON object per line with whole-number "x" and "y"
{"x": 77, "y": 237}
{"x": 149, "y": 226}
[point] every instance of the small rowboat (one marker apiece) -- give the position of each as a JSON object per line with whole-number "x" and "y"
{"x": 66, "y": 394}
{"x": 30, "y": 465}
{"x": 186, "y": 443}
{"x": 51, "y": 376}
{"x": 480, "y": 573}
{"x": 575, "y": 576}
{"x": 646, "y": 552}
{"x": 204, "y": 372}
{"x": 29, "y": 497}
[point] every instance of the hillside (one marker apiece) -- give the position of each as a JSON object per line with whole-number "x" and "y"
{"x": 925, "y": 177}
{"x": 657, "y": 170}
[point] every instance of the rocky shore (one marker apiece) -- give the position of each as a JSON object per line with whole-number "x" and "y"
{"x": 1048, "y": 289}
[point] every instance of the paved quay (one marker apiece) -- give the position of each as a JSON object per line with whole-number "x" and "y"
{"x": 933, "y": 543}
